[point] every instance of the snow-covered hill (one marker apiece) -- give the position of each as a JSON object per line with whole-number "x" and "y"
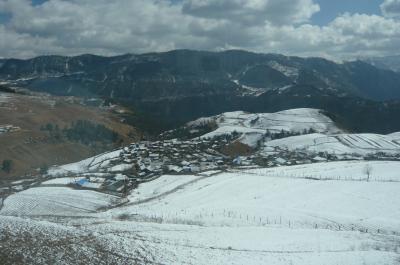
{"x": 339, "y": 144}
{"x": 253, "y": 127}
{"x": 307, "y": 130}
{"x": 395, "y": 136}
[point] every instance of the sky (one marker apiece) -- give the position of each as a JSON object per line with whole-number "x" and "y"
{"x": 334, "y": 29}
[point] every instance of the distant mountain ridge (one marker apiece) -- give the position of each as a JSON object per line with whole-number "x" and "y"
{"x": 387, "y": 62}
{"x": 181, "y": 73}
{"x": 181, "y": 85}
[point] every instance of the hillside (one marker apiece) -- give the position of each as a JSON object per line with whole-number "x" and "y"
{"x": 254, "y": 127}
{"x": 38, "y": 138}
{"x": 295, "y": 130}
{"x": 215, "y": 218}
{"x": 339, "y": 144}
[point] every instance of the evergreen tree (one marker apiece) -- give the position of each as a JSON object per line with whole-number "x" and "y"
{"x": 7, "y": 165}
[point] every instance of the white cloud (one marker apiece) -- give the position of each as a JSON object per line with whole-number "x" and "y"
{"x": 348, "y": 36}
{"x": 113, "y": 27}
{"x": 391, "y": 8}
{"x": 253, "y": 12}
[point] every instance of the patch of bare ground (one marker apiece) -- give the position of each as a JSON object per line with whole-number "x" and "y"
{"x": 48, "y": 244}
{"x": 237, "y": 148}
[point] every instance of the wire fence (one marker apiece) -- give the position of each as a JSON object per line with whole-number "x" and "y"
{"x": 374, "y": 178}
{"x": 232, "y": 218}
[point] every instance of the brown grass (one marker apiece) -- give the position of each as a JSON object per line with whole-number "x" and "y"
{"x": 31, "y": 148}
{"x": 237, "y": 148}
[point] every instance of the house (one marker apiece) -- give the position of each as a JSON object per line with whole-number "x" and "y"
{"x": 237, "y": 161}
{"x": 319, "y": 159}
{"x": 280, "y": 160}
{"x": 187, "y": 169}
{"x": 194, "y": 168}
{"x": 85, "y": 183}
{"x": 116, "y": 186}
{"x": 185, "y": 163}
{"x": 220, "y": 162}
{"x": 120, "y": 177}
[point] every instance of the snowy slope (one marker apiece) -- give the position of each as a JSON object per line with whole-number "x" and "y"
{"x": 360, "y": 144}
{"x": 254, "y": 216}
{"x": 250, "y": 198}
{"x": 341, "y": 170}
{"x": 294, "y": 120}
{"x": 260, "y": 212}
{"x": 56, "y": 201}
{"x": 395, "y": 136}
{"x": 91, "y": 164}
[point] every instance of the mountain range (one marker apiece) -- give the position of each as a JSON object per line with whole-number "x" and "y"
{"x": 171, "y": 88}
{"x": 387, "y": 62}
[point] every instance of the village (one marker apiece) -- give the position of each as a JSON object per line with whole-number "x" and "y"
{"x": 147, "y": 160}
{"x": 144, "y": 161}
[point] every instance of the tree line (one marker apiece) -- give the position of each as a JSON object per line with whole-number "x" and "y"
{"x": 82, "y": 131}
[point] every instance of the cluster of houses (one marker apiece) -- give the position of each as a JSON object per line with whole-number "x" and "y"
{"x": 146, "y": 160}
{"x": 151, "y": 159}
{"x": 109, "y": 183}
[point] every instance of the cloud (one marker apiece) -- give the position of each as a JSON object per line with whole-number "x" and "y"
{"x": 253, "y": 12}
{"x": 391, "y": 8}
{"x": 348, "y": 36}
{"x": 98, "y": 25}
{"x": 108, "y": 27}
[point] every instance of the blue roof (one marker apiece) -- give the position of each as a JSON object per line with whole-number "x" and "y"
{"x": 81, "y": 182}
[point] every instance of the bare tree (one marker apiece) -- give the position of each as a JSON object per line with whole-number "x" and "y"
{"x": 367, "y": 170}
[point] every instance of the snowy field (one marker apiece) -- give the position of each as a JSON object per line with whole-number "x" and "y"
{"x": 256, "y": 199}
{"x": 250, "y": 216}
{"x": 88, "y": 165}
{"x": 342, "y": 170}
{"x": 339, "y": 144}
{"x": 56, "y": 201}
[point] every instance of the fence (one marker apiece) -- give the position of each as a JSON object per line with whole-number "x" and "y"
{"x": 232, "y": 218}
